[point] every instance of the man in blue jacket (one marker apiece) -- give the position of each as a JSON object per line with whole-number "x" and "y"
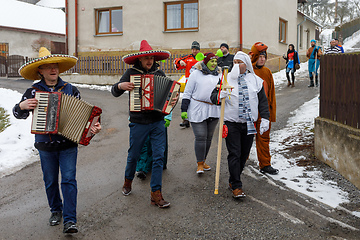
{"x": 55, "y": 151}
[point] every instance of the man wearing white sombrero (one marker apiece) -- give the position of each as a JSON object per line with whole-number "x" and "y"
{"x": 144, "y": 123}
{"x": 56, "y": 152}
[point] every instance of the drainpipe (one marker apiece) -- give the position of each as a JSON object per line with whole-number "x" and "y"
{"x": 297, "y": 33}
{"x": 66, "y": 27}
{"x": 240, "y": 25}
{"x": 76, "y": 28}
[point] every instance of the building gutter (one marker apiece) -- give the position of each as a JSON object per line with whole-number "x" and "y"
{"x": 240, "y": 25}
{"x": 76, "y": 28}
{"x": 66, "y": 27}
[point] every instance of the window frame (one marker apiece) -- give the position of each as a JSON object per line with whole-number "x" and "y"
{"x": 109, "y": 10}
{"x": 282, "y": 21}
{"x": 182, "y": 28}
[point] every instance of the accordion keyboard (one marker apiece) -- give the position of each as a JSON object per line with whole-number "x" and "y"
{"x": 135, "y": 94}
{"x": 46, "y": 118}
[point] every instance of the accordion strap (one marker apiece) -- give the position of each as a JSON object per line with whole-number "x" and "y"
{"x": 59, "y": 90}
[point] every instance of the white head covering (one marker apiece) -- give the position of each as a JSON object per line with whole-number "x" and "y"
{"x": 246, "y": 59}
{"x": 235, "y": 71}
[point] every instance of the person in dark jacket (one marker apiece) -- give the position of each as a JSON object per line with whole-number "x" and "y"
{"x": 227, "y": 59}
{"x": 144, "y": 123}
{"x": 55, "y": 151}
{"x": 243, "y": 104}
{"x": 292, "y": 59}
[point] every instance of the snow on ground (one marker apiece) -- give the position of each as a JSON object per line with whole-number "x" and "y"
{"x": 309, "y": 182}
{"x": 280, "y": 77}
{"x": 296, "y": 177}
{"x": 16, "y": 142}
{"x": 351, "y": 41}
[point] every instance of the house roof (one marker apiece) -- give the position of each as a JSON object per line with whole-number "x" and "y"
{"x": 21, "y": 15}
{"x": 309, "y": 18}
{"x": 59, "y": 4}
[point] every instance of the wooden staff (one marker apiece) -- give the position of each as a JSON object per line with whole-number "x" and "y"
{"x": 223, "y": 86}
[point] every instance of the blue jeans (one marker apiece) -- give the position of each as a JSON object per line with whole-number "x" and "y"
{"x": 138, "y": 134}
{"x": 290, "y": 69}
{"x": 50, "y": 164}
{"x": 203, "y": 132}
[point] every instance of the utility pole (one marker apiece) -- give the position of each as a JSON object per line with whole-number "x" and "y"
{"x": 336, "y": 18}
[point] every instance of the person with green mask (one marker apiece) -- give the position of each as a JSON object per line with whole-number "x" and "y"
{"x": 198, "y": 108}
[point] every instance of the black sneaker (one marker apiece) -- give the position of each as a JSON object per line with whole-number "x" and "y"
{"x": 185, "y": 124}
{"x": 70, "y": 227}
{"x": 269, "y": 170}
{"x": 141, "y": 175}
{"x": 55, "y": 218}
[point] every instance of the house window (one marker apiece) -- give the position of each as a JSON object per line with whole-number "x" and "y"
{"x": 109, "y": 21}
{"x": 181, "y": 15}
{"x": 282, "y": 30}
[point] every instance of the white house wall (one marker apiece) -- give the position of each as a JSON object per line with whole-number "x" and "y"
{"x": 261, "y": 23}
{"x": 308, "y": 27}
{"x": 218, "y": 22}
{"x": 20, "y": 42}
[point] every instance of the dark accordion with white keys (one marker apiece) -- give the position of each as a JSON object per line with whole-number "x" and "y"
{"x": 58, "y": 113}
{"x": 152, "y": 92}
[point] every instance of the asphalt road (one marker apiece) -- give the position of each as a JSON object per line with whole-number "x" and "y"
{"x": 270, "y": 210}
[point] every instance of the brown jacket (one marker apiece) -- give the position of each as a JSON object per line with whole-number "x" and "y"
{"x": 265, "y": 74}
{"x": 310, "y": 50}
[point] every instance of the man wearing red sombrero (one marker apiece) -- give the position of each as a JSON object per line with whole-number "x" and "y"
{"x": 144, "y": 123}
{"x": 55, "y": 151}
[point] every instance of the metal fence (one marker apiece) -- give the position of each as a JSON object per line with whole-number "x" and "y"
{"x": 340, "y": 86}
{"x": 10, "y": 65}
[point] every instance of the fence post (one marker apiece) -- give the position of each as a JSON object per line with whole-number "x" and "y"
{"x": 279, "y": 64}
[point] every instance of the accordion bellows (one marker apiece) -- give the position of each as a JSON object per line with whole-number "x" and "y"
{"x": 58, "y": 113}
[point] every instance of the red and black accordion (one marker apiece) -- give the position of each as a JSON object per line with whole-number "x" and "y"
{"x": 58, "y": 113}
{"x": 153, "y": 92}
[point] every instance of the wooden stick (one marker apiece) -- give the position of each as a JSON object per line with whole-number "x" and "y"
{"x": 225, "y": 86}
{"x": 217, "y": 175}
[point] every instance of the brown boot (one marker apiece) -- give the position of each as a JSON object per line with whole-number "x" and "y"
{"x": 206, "y": 167}
{"x": 158, "y": 200}
{"x": 238, "y": 193}
{"x": 126, "y": 189}
{"x": 200, "y": 167}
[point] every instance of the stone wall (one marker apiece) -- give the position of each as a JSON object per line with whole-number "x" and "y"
{"x": 338, "y": 145}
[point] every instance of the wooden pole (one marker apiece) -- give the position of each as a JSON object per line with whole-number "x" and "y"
{"x": 279, "y": 63}
{"x": 225, "y": 86}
